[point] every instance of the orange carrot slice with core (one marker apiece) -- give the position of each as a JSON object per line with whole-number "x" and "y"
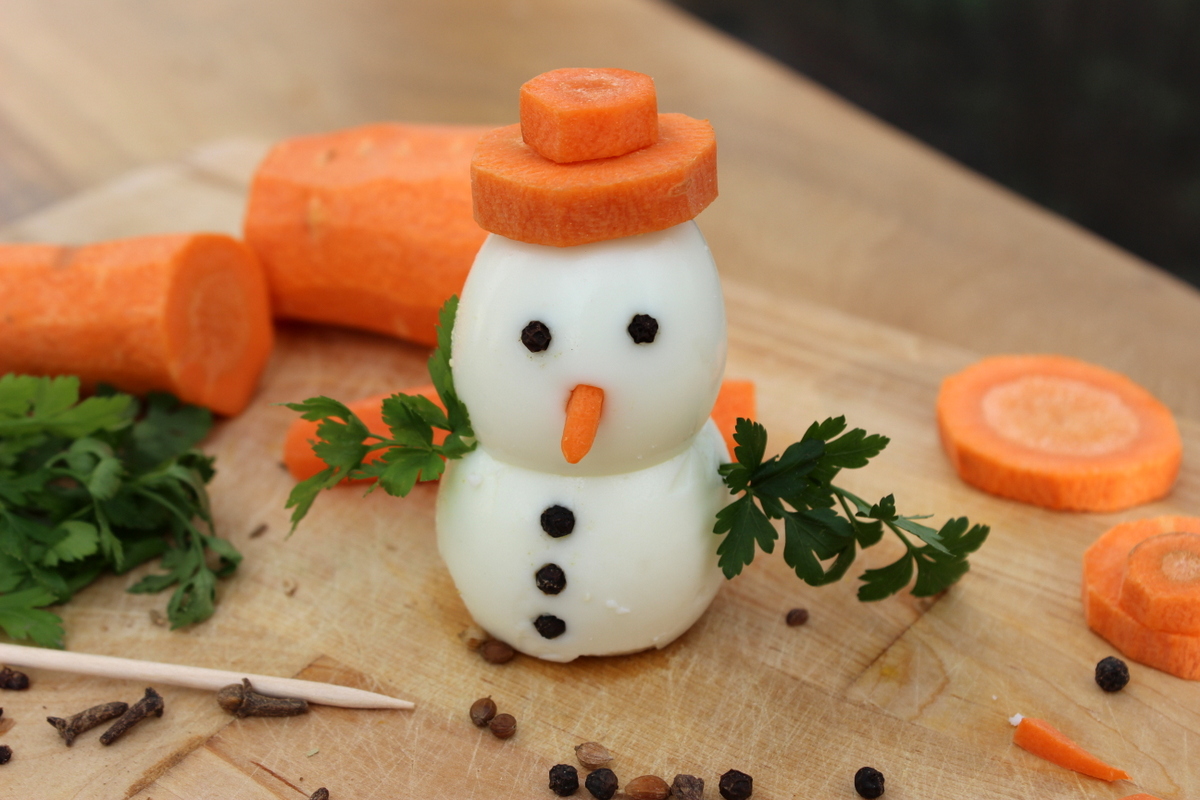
{"x": 1059, "y": 433}
{"x": 369, "y": 227}
{"x": 1044, "y": 740}
{"x": 185, "y": 314}
{"x": 1141, "y": 592}
{"x": 579, "y": 114}
{"x": 736, "y": 399}
{"x": 584, "y": 407}
{"x": 303, "y": 463}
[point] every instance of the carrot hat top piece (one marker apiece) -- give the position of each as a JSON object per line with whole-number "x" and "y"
{"x": 592, "y": 159}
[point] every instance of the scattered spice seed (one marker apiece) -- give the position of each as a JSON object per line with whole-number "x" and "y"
{"x": 868, "y": 782}
{"x": 12, "y": 680}
{"x": 735, "y": 785}
{"x": 602, "y": 783}
{"x": 497, "y": 652}
{"x": 151, "y": 703}
{"x": 797, "y": 617}
{"x": 5, "y": 754}
{"x": 482, "y": 711}
{"x": 473, "y": 637}
{"x": 319, "y": 794}
{"x": 289, "y": 587}
{"x": 242, "y": 701}
{"x": 86, "y": 720}
{"x": 687, "y": 787}
{"x": 593, "y": 755}
{"x": 503, "y": 726}
{"x": 647, "y": 787}
{"x": 1112, "y": 674}
{"x": 564, "y": 780}
{"x": 259, "y": 530}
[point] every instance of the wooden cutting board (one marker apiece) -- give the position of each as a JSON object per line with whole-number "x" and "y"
{"x": 920, "y": 689}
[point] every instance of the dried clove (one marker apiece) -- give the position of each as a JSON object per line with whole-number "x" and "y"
{"x": 13, "y": 680}
{"x": 5, "y": 754}
{"x": 242, "y": 701}
{"x": 87, "y": 719}
{"x": 503, "y": 726}
{"x": 320, "y": 794}
{"x": 687, "y": 787}
{"x": 151, "y": 703}
{"x": 482, "y": 711}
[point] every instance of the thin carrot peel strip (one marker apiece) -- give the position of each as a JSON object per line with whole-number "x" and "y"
{"x": 1044, "y": 740}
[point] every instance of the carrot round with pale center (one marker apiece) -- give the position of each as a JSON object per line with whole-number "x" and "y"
{"x": 1141, "y": 574}
{"x": 522, "y": 195}
{"x": 584, "y": 408}
{"x": 735, "y": 399}
{"x": 578, "y": 114}
{"x": 1044, "y": 740}
{"x": 369, "y": 227}
{"x": 1058, "y": 432}
{"x": 186, "y": 314}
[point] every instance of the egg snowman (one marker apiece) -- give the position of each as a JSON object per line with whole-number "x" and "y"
{"x": 588, "y": 347}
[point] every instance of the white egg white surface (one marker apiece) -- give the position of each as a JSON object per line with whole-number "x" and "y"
{"x": 640, "y": 565}
{"x": 657, "y": 395}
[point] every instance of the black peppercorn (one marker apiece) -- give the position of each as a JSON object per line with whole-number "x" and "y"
{"x": 735, "y": 785}
{"x": 564, "y": 780}
{"x": 558, "y": 521}
{"x": 868, "y": 782}
{"x": 536, "y": 337}
{"x": 551, "y": 579}
{"x": 1112, "y": 674}
{"x": 602, "y": 783}
{"x": 5, "y": 754}
{"x": 643, "y": 328}
{"x": 550, "y": 626}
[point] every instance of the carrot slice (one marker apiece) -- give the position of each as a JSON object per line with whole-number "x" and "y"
{"x": 1140, "y": 796}
{"x": 1058, "y": 432}
{"x": 522, "y": 195}
{"x": 1044, "y": 740}
{"x": 1127, "y": 590}
{"x": 302, "y": 462}
{"x": 186, "y": 314}
{"x": 579, "y": 114}
{"x": 736, "y": 399}
{"x": 369, "y": 227}
{"x": 584, "y": 407}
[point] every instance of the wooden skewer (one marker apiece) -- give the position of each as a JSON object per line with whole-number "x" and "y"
{"x": 193, "y": 677}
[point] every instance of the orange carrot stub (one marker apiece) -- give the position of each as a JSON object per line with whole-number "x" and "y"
{"x": 1141, "y": 592}
{"x": 584, "y": 407}
{"x": 186, "y": 314}
{"x": 369, "y": 227}
{"x": 579, "y": 114}
{"x": 1058, "y": 432}
{"x": 736, "y": 399}
{"x": 1044, "y": 740}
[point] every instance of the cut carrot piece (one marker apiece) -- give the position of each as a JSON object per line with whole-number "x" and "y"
{"x": 298, "y": 453}
{"x": 185, "y": 314}
{"x": 584, "y": 407}
{"x": 523, "y": 196}
{"x": 369, "y": 227}
{"x": 1143, "y": 574}
{"x": 579, "y": 114}
{"x": 1059, "y": 433}
{"x": 736, "y": 399}
{"x": 1140, "y": 796}
{"x": 1044, "y": 740}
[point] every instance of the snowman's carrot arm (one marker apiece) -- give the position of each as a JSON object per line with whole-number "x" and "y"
{"x": 1043, "y": 739}
{"x": 736, "y": 399}
{"x": 186, "y": 314}
{"x": 583, "y": 418}
{"x": 303, "y": 463}
{"x": 577, "y": 114}
{"x": 369, "y": 227}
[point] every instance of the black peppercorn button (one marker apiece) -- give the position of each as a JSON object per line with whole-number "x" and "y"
{"x": 602, "y": 783}
{"x": 551, "y": 579}
{"x": 558, "y": 521}
{"x": 735, "y": 785}
{"x": 868, "y": 782}
{"x": 550, "y": 626}
{"x": 564, "y": 780}
{"x": 643, "y": 328}
{"x": 536, "y": 337}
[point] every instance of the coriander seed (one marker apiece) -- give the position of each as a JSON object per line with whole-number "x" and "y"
{"x": 868, "y": 782}
{"x": 736, "y": 785}
{"x": 1112, "y": 674}
{"x": 564, "y": 780}
{"x": 482, "y": 711}
{"x": 593, "y": 755}
{"x": 687, "y": 787}
{"x": 602, "y": 783}
{"x": 503, "y": 726}
{"x": 797, "y": 617}
{"x": 497, "y": 652}
{"x": 647, "y": 787}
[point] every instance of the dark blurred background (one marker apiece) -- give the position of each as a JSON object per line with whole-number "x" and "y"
{"x": 1088, "y": 107}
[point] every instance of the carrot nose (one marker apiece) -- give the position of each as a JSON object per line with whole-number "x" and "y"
{"x": 583, "y": 418}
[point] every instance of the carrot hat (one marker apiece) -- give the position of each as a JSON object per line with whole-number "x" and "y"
{"x": 592, "y": 159}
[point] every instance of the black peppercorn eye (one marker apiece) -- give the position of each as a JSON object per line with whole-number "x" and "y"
{"x": 550, "y": 626}
{"x": 536, "y": 337}
{"x": 643, "y": 328}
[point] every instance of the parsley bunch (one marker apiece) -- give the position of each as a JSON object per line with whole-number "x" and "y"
{"x": 797, "y": 487}
{"x": 101, "y": 485}
{"x": 344, "y": 443}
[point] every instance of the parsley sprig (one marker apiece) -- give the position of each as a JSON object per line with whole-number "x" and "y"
{"x": 797, "y": 487}
{"x": 410, "y": 455}
{"x": 102, "y": 484}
